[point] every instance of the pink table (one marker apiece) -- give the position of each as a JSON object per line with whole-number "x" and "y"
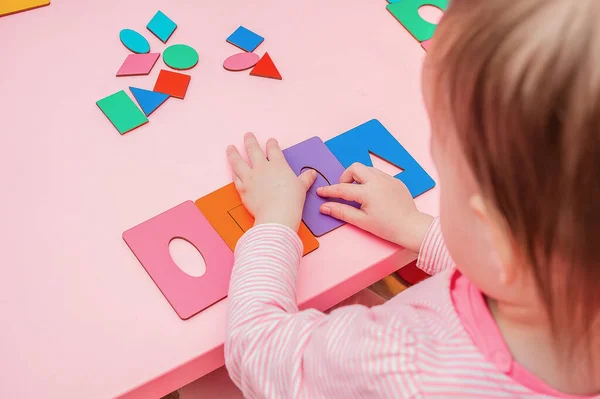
{"x": 80, "y": 316}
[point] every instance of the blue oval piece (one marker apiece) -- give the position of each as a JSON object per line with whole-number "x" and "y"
{"x": 134, "y": 41}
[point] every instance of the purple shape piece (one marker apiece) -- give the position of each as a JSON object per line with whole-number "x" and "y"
{"x": 314, "y": 154}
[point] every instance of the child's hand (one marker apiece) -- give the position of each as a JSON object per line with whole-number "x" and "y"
{"x": 387, "y": 208}
{"x": 270, "y": 190}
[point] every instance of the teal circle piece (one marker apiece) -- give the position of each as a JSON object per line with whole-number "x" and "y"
{"x": 134, "y": 41}
{"x": 180, "y": 56}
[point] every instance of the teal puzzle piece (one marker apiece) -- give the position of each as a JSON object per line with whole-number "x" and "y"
{"x": 407, "y": 13}
{"x": 372, "y": 137}
{"x": 162, "y": 26}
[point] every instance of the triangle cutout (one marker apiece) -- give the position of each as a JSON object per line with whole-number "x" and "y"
{"x": 148, "y": 100}
{"x": 384, "y": 165}
{"x": 265, "y": 68}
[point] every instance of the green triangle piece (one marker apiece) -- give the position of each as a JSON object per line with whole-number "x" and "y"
{"x": 407, "y": 13}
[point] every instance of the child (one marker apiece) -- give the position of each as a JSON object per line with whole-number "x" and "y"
{"x": 513, "y": 93}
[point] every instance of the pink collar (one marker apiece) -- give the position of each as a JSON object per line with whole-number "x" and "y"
{"x": 474, "y": 314}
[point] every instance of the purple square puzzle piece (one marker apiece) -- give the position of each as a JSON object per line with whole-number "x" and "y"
{"x": 314, "y": 154}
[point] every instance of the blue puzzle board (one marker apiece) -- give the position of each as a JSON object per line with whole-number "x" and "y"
{"x": 245, "y": 39}
{"x": 162, "y": 26}
{"x": 372, "y": 137}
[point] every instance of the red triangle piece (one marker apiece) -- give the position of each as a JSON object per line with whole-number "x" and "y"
{"x": 265, "y": 68}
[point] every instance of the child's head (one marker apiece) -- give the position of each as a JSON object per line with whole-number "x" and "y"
{"x": 513, "y": 93}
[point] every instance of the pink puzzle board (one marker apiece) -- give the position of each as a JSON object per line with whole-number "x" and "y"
{"x": 149, "y": 242}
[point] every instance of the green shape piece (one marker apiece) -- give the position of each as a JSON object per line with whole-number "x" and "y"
{"x": 180, "y": 56}
{"x": 407, "y": 13}
{"x": 122, "y": 112}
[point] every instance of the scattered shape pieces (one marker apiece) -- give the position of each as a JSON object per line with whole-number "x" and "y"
{"x": 407, "y": 13}
{"x": 265, "y": 68}
{"x": 241, "y": 61}
{"x": 122, "y": 112}
{"x": 161, "y": 26}
{"x": 14, "y": 6}
{"x": 174, "y": 84}
{"x": 314, "y": 154}
{"x": 134, "y": 41}
{"x": 224, "y": 210}
{"x": 426, "y": 44}
{"x": 138, "y": 64}
{"x": 148, "y": 100}
{"x": 245, "y": 39}
{"x": 373, "y": 138}
{"x": 149, "y": 242}
{"x": 180, "y": 56}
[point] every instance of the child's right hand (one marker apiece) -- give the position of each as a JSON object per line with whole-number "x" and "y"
{"x": 387, "y": 208}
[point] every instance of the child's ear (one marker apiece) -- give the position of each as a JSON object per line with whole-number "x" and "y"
{"x": 499, "y": 238}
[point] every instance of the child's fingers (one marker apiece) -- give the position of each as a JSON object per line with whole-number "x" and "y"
{"x": 255, "y": 153}
{"x": 345, "y": 191}
{"x": 357, "y": 172}
{"x": 345, "y": 213}
{"x": 238, "y": 165}
{"x": 308, "y": 178}
{"x": 274, "y": 152}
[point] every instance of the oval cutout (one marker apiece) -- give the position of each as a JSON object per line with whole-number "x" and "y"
{"x": 134, "y": 41}
{"x": 431, "y": 14}
{"x": 241, "y": 61}
{"x": 187, "y": 257}
{"x": 320, "y": 177}
{"x": 180, "y": 56}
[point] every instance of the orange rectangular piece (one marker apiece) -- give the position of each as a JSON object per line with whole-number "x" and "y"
{"x": 222, "y": 209}
{"x": 13, "y": 6}
{"x": 245, "y": 220}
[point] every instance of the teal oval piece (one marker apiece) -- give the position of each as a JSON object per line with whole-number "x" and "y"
{"x": 180, "y": 56}
{"x": 134, "y": 41}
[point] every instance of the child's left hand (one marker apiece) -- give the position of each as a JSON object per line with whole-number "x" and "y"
{"x": 270, "y": 190}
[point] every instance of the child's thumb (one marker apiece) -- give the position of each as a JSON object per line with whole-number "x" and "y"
{"x": 308, "y": 177}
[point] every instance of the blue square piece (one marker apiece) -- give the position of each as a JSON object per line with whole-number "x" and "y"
{"x": 245, "y": 39}
{"x": 162, "y": 26}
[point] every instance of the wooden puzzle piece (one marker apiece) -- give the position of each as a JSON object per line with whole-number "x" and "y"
{"x": 134, "y": 41}
{"x": 265, "y": 68}
{"x": 180, "y": 56}
{"x": 148, "y": 100}
{"x": 149, "y": 242}
{"x": 14, "y": 6}
{"x": 426, "y": 44}
{"x": 245, "y": 39}
{"x": 246, "y": 221}
{"x": 407, "y": 13}
{"x": 172, "y": 83}
{"x": 356, "y": 144}
{"x": 224, "y": 210}
{"x": 138, "y": 64}
{"x": 313, "y": 154}
{"x": 161, "y": 26}
{"x": 122, "y": 112}
{"x": 241, "y": 61}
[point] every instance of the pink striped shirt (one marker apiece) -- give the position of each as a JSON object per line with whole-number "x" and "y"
{"x": 436, "y": 339}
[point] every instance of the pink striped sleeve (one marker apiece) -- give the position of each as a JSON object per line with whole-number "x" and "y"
{"x": 433, "y": 256}
{"x": 274, "y": 351}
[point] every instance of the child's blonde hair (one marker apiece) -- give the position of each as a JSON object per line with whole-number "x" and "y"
{"x": 521, "y": 81}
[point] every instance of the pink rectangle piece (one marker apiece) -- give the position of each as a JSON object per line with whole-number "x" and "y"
{"x": 138, "y": 64}
{"x": 149, "y": 242}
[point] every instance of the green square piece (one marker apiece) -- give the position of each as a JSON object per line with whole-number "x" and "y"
{"x": 122, "y": 112}
{"x": 407, "y": 13}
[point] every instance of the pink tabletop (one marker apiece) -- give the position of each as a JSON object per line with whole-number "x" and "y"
{"x": 80, "y": 317}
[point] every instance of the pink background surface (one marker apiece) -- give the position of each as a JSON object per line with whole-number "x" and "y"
{"x": 80, "y": 317}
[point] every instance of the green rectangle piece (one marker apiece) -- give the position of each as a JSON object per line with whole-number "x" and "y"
{"x": 122, "y": 112}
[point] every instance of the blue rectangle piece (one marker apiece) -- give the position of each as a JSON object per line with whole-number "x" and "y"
{"x": 372, "y": 137}
{"x": 161, "y": 26}
{"x": 245, "y": 39}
